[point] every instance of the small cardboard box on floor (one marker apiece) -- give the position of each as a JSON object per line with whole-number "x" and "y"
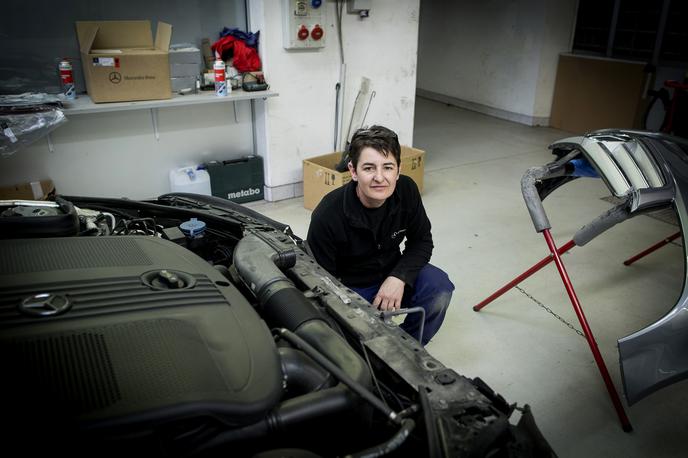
{"x": 35, "y": 190}
{"x": 320, "y": 176}
{"x": 121, "y": 62}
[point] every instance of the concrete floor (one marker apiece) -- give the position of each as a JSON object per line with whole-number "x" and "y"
{"x": 484, "y": 237}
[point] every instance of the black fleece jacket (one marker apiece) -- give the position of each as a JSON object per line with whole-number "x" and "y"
{"x": 343, "y": 243}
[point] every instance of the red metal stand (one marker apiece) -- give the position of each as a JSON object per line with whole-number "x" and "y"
{"x": 625, "y": 423}
{"x": 563, "y": 249}
{"x": 555, "y": 255}
{"x": 537, "y": 267}
{"x": 652, "y": 249}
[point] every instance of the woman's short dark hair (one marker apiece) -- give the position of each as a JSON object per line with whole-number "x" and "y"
{"x": 379, "y": 138}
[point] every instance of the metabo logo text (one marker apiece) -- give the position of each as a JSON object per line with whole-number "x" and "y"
{"x": 243, "y": 193}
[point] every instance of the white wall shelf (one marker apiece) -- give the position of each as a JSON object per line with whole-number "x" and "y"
{"x": 83, "y": 104}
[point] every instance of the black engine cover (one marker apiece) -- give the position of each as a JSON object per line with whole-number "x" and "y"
{"x": 93, "y": 335}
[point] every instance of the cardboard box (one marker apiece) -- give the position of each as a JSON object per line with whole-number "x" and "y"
{"x": 122, "y": 63}
{"x": 320, "y": 176}
{"x": 239, "y": 180}
{"x": 35, "y": 190}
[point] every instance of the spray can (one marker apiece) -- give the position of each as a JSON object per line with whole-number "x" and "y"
{"x": 220, "y": 78}
{"x": 67, "y": 80}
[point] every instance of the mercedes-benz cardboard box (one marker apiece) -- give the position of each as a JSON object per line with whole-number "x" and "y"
{"x": 320, "y": 176}
{"x": 122, "y": 63}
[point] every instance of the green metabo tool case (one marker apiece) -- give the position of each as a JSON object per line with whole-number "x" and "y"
{"x": 239, "y": 180}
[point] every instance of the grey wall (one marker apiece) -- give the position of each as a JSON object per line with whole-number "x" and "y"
{"x": 35, "y": 35}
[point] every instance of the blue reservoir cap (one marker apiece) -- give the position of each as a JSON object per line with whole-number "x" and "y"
{"x": 193, "y": 227}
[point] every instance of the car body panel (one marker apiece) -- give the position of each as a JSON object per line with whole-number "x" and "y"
{"x": 650, "y": 171}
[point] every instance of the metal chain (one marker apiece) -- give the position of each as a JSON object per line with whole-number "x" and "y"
{"x": 549, "y": 310}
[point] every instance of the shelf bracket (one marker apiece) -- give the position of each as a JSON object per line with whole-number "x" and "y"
{"x": 51, "y": 147}
{"x": 236, "y": 119}
{"x": 154, "y": 118}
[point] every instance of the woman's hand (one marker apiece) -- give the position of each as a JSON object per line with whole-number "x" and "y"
{"x": 389, "y": 295}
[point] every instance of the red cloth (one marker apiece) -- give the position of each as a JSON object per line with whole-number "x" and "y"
{"x": 245, "y": 57}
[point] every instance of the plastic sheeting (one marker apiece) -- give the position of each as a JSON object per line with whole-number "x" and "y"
{"x": 25, "y": 118}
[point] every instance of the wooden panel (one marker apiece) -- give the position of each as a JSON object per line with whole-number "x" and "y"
{"x": 595, "y": 93}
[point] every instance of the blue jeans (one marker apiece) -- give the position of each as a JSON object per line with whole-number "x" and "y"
{"x": 432, "y": 291}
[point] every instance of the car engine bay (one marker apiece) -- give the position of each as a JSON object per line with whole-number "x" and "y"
{"x": 190, "y": 326}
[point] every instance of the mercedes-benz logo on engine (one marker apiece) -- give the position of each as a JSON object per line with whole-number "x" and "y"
{"x": 45, "y": 304}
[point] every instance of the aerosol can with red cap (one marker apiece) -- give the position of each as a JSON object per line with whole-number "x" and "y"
{"x": 220, "y": 78}
{"x": 67, "y": 79}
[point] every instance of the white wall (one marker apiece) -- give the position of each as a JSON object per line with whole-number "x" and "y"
{"x": 300, "y": 122}
{"x": 495, "y": 56}
{"x": 116, "y": 154}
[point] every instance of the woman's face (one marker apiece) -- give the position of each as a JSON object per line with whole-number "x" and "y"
{"x": 376, "y": 175}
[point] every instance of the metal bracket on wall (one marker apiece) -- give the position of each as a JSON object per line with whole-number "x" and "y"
{"x": 236, "y": 119}
{"x": 51, "y": 147}
{"x": 154, "y": 118}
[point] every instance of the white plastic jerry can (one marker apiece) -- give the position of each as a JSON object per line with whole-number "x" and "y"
{"x": 191, "y": 180}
